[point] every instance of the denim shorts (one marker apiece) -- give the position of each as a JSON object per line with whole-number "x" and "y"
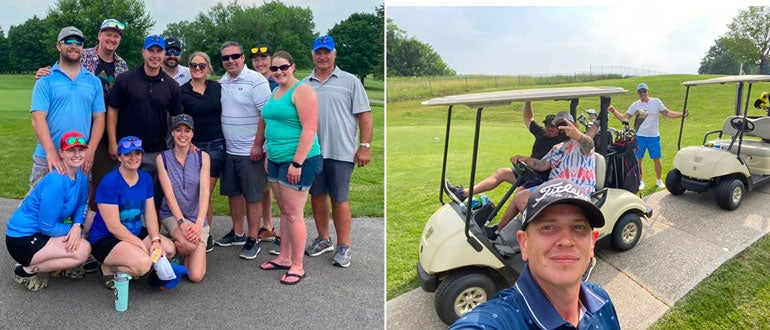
{"x": 216, "y": 151}
{"x": 278, "y": 172}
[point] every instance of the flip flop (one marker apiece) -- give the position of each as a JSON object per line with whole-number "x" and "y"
{"x": 270, "y": 265}
{"x": 287, "y": 275}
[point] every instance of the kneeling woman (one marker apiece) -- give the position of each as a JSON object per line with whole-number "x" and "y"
{"x": 184, "y": 176}
{"x": 44, "y": 234}
{"x": 125, "y": 194}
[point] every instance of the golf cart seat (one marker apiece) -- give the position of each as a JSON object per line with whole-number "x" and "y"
{"x": 757, "y": 127}
{"x": 601, "y": 170}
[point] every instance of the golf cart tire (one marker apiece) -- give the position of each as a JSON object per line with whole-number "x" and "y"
{"x": 627, "y": 232}
{"x": 461, "y": 292}
{"x": 674, "y": 182}
{"x": 730, "y": 193}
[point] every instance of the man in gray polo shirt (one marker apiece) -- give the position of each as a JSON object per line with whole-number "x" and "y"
{"x": 343, "y": 109}
{"x": 244, "y": 93}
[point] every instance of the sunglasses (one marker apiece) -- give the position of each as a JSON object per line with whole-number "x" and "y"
{"x": 259, "y": 50}
{"x": 174, "y": 52}
{"x": 282, "y": 67}
{"x": 70, "y": 42}
{"x": 198, "y": 66}
{"x": 641, "y": 91}
{"x": 74, "y": 139}
{"x": 226, "y": 58}
{"x": 113, "y": 23}
{"x": 129, "y": 143}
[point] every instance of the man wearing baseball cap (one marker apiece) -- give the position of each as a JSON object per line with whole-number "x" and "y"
{"x": 180, "y": 73}
{"x": 647, "y": 110}
{"x": 261, "y": 57}
{"x": 65, "y": 100}
{"x": 557, "y": 241}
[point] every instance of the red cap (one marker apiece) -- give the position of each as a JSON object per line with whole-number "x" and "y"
{"x": 73, "y": 139}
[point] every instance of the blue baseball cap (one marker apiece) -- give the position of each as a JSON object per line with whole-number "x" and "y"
{"x": 641, "y": 86}
{"x": 128, "y": 144}
{"x": 323, "y": 42}
{"x": 154, "y": 40}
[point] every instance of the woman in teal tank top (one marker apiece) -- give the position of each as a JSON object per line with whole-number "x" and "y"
{"x": 290, "y": 120}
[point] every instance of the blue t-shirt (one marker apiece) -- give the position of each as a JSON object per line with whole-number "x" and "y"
{"x": 52, "y": 207}
{"x": 130, "y": 200}
{"x": 69, "y": 104}
{"x": 525, "y": 306}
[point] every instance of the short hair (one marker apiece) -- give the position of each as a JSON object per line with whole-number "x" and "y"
{"x": 205, "y": 58}
{"x": 284, "y": 55}
{"x": 230, "y": 44}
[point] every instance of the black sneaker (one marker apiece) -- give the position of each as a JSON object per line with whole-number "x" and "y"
{"x": 231, "y": 239}
{"x": 456, "y": 193}
{"x": 210, "y": 244}
{"x": 250, "y": 249}
{"x": 91, "y": 265}
{"x": 491, "y": 232}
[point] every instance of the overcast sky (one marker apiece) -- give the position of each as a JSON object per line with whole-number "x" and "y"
{"x": 326, "y": 13}
{"x": 554, "y": 39}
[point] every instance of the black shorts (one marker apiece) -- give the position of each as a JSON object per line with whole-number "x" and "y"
{"x": 22, "y": 249}
{"x": 102, "y": 248}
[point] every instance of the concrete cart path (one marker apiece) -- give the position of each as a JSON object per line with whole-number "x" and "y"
{"x": 235, "y": 294}
{"x": 687, "y": 239}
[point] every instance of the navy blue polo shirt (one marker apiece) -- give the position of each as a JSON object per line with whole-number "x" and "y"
{"x": 144, "y": 104}
{"x": 525, "y": 306}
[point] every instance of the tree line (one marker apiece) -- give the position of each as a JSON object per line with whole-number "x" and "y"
{"x": 359, "y": 39}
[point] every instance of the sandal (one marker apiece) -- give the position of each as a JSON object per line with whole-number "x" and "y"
{"x": 270, "y": 265}
{"x": 287, "y": 275}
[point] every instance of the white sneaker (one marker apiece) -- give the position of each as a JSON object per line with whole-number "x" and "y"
{"x": 661, "y": 184}
{"x": 641, "y": 185}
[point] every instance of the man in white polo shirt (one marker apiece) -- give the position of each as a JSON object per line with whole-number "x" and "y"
{"x": 244, "y": 93}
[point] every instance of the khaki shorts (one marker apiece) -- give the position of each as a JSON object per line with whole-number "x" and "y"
{"x": 170, "y": 225}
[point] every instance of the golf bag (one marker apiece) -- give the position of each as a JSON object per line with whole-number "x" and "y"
{"x": 622, "y": 167}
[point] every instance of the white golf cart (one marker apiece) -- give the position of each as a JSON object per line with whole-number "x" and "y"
{"x": 737, "y": 160}
{"x": 456, "y": 259}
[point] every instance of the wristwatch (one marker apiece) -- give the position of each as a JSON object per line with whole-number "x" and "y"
{"x": 295, "y": 164}
{"x": 365, "y": 145}
{"x": 180, "y": 221}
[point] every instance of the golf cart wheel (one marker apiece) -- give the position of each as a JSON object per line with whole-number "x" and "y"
{"x": 674, "y": 182}
{"x": 462, "y": 292}
{"x": 730, "y": 193}
{"x": 627, "y": 232}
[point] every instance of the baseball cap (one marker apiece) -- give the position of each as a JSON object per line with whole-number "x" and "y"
{"x": 262, "y": 50}
{"x": 560, "y": 191}
{"x": 72, "y": 139}
{"x": 642, "y": 86}
{"x": 562, "y": 115}
{"x": 183, "y": 118}
{"x": 548, "y": 121}
{"x": 128, "y": 144}
{"x": 154, "y": 40}
{"x": 112, "y": 23}
{"x": 323, "y": 42}
{"x": 173, "y": 43}
{"x": 68, "y": 32}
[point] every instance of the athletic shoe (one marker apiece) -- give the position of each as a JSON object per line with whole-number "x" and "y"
{"x": 91, "y": 265}
{"x": 661, "y": 184}
{"x": 250, "y": 249}
{"x": 33, "y": 282}
{"x": 75, "y": 272}
{"x": 231, "y": 239}
{"x": 319, "y": 246}
{"x": 276, "y": 248}
{"x": 342, "y": 257}
{"x": 641, "y": 185}
{"x": 492, "y": 232}
{"x": 209, "y": 244}
{"x": 266, "y": 235}
{"x": 456, "y": 193}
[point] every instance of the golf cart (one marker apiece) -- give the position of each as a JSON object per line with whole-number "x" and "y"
{"x": 737, "y": 160}
{"x": 459, "y": 262}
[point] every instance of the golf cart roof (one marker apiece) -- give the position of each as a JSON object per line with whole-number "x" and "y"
{"x": 479, "y": 100}
{"x": 729, "y": 79}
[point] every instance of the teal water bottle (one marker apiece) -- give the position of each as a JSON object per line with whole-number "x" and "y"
{"x": 121, "y": 290}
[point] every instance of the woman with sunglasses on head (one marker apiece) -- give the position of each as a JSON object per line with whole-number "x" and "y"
{"x": 294, "y": 159}
{"x": 184, "y": 177}
{"x": 125, "y": 196}
{"x": 45, "y": 232}
{"x": 201, "y": 100}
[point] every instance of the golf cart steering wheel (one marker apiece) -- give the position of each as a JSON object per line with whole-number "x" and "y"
{"x": 521, "y": 168}
{"x": 737, "y": 122}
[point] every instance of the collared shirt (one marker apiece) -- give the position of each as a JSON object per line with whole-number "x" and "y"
{"x": 242, "y": 100}
{"x": 91, "y": 60}
{"x": 525, "y": 306}
{"x": 182, "y": 75}
{"x": 340, "y": 99}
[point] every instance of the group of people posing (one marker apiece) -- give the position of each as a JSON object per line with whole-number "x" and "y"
{"x": 142, "y": 150}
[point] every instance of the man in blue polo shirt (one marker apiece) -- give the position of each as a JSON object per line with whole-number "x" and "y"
{"x": 557, "y": 241}
{"x": 68, "y": 99}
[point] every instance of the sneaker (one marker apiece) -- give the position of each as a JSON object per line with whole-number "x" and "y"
{"x": 276, "y": 248}
{"x": 456, "y": 193}
{"x": 342, "y": 257}
{"x": 661, "y": 184}
{"x": 492, "y": 232}
{"x": 250, "y": 249}
{"x": 641, "y": 185}
{"x": 32, "y": 283}
{"x": 266, "y": 235}
{"x": 75, "y": 272}
{"x": 319, "y": 246}
{"x": 209, "y": 244}
{"x": 91, "y": 265}
{"x": 231, "y": 239}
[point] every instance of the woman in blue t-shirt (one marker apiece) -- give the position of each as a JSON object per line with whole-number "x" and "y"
{"x": 45, "y": 232}
{"x": 123, "y": 198}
